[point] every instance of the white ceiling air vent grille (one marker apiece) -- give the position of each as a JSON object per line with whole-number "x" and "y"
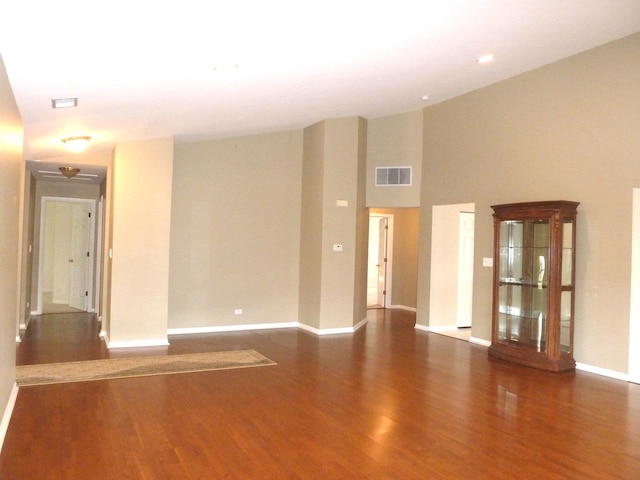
{"x": 393, "y": 176}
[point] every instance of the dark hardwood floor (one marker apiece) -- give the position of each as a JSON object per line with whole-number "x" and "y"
{"x": 388, "y": 402}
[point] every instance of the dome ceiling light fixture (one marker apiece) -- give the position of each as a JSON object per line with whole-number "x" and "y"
{"x": 69, "y": 172}
{"x": 76, "y": 144}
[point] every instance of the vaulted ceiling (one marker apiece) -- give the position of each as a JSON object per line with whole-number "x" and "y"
{"x": 196, "y": 70}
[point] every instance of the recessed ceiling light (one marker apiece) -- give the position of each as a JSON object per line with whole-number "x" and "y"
{"x": 64, "y": 102}
{"x": 226, "y": 67}
{"x": 425, "y": 97}
{"x": 486, "y": 58}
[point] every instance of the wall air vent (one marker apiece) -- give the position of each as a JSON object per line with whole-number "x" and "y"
{"x": 393, "y": 176}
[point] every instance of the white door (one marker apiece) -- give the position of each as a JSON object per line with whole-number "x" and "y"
{"x": 373, "y": 262}
{"x": 379, "y": 262}
{"x": 79, "y": 256}
{"x": 382, "y": 261}
{"x": 465, "y": 269}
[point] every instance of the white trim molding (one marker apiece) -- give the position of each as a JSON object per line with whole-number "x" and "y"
{"x": 602, "y": 371}
{"x": 480, "y": 341}
{"x": 230, "y": 328}
{"x": 333, "y": 331}
{"x": 161, "y": 342}
{"x": 8, "y": 411}
{"x": 404, "y": 307}
{"x": 634, "y": 311}
{"x": 453, "y": 328}
{"x": 265, "y": 326}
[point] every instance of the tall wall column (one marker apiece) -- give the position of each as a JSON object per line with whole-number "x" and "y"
{"x": 141, "y": 217}
{"x": 334, "y": 226}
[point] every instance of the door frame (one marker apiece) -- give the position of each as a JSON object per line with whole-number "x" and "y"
{"x": 91, "y": 265}
{"x": 465, "y": 297}
{"x": 388, "y": 255}
{"x": 634, "y": 317}
{"x": 99, "y": 229}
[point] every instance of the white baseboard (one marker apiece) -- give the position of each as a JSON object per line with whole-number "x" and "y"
{"x": 160, "y": 342}
{"x": 452, "y": 328}
{"x": 6, "y": 416}
{"x": 404, "y": 307}
{"x": 438, "y": 329}
{"x": 480, "y": 341}
{"x": 265, "y": 326}
{"x": 360, "y": 324}
{"x": 602, "y": 371}
{"x": 230, "y": 328}
{"x": 332, "y": 331}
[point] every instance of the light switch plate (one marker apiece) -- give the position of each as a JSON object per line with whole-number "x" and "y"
{"x": 487, "y": 262}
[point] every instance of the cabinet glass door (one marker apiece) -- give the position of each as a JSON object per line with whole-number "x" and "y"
{"x": 566, "y": 297}
{"x": 523, "y": 287}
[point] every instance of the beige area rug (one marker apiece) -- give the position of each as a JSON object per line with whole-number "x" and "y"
{"x": 48, "y": 373}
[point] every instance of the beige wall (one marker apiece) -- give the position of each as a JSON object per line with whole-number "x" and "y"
{"x": 565, "y": 131}
{"x": 11, "y": 177}
{"x": 394, "y": 141}
{"x": 235, "y": 231}
{"x": 404, "y": 271}
{"x": 140, "y": 242}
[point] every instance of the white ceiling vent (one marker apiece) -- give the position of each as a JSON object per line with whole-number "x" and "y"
{"x": 393, "y": 176}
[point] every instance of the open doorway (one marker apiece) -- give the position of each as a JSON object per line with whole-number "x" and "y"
{"x": 379, "y": 260}
{"x": 452, "y": 253}
{"x": 66, "y": 267}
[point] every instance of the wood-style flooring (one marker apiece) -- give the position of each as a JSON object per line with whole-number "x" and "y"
{"x": 388, "y": 402}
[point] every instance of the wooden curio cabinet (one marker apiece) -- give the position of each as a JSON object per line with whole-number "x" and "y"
{"x": 533, "y": 284}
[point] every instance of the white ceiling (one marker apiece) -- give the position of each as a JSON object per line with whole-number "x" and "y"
{"x": 146, "y": 69}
